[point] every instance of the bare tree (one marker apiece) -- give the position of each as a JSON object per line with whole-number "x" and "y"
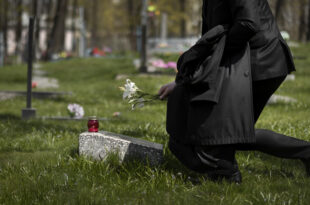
{"x": 36, "y": 11}
{"x": 94, "y": 23}
{"x": 18, "y": 28}
{"x": 308, "y": 23}
{"x": 49, "y": 10}
{"x": 278, "y": 6}
{"x": 57, "y": 35}
{"x": 4, "y": 23}
{"x": 183, "y": 20}
{"x": 73, "y": 26}
{"x": 131, "y": 26}
{"x": 302, "y": 20}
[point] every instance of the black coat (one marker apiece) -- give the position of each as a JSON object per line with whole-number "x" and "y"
{"x": 251, "y": 21}
{"x": 212, "y": 102}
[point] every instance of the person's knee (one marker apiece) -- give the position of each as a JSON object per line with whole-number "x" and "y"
{"x": 267, "y": 137}
{"x": 204, "y": 159}
{"x": 263, "y": 133}
{"x": 260, "y": 132}
{"x": 186, "y": 155}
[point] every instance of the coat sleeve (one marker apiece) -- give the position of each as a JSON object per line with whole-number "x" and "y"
{"x": 245, "y": 23}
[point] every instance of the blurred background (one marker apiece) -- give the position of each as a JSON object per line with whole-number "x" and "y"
{"x": 66, "y": 28}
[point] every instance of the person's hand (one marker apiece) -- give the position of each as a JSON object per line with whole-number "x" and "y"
{"x": 165, "y": 90}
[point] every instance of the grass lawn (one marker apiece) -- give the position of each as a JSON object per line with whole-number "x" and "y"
{"x": 39, "y": 163}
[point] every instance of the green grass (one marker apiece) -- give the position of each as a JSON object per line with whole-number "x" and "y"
{"x": 39, "y": 163}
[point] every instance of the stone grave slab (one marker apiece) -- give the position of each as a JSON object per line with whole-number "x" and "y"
{"x": 36, "y": 94}
{"x": 99, "y": 144}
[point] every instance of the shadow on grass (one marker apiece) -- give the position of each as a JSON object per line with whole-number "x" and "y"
{"x": 74, "y": 152}
{"x": 275, "y": 173}
{"x": 145, "y": 131}
{"x": 134, "y": 132}
{"x": 63, "y": 99}
{"x": 283, "y": 169}
{"x": 16, "y": 124}
{"x": 9, "y": 116}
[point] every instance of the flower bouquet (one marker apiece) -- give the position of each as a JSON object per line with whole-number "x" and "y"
{"x": 75, "y": 110}
{"x": 135, "y": 96}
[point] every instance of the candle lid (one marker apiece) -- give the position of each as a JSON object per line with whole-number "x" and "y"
{"x": 92, "y": 118}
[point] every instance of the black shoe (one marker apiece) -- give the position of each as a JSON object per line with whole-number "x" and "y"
{"x": 235, "y": 178}
{"x": 307, "y": 166}
{"x": 231, "y": 178}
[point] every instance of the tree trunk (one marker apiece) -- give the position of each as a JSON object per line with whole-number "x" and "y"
{"x": 278, "y": 7}
{"x": 308, "y": 25}
{"x": 183, "y": 21}
{"x": 131, "y": 25}
{"x": 18, "y": 29}
{"x": 303, "y": 21}
{"x": 57, "y": 36}
{"x": 94, "y": 23}
{"x": 48, "y": 9}
{"x": 73, "y": 26}
{"x": 36, "y": 7}
{"x": 4, "y": 24}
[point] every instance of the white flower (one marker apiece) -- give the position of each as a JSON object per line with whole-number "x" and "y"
{"x": 76, "y": 110}
{"x": 136, "y": 97}
{"x": 130, "y": 89}
{"x": 285, "y": 35}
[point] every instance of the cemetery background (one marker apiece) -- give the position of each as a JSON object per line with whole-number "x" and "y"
{"x": 64, "y": 26}
{"x": 39, "y": 161}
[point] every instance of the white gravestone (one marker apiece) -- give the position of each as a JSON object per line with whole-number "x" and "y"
{"x": 99, "y": 144}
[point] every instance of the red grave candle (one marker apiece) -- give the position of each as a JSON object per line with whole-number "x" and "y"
{"x": 93, "y": 124}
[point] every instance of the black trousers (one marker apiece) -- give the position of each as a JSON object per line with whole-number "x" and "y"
{"x": 221, "y": 158}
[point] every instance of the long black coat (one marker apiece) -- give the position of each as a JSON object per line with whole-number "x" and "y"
{"x": 212, "y": 102}
{"x": 251, "y": 21}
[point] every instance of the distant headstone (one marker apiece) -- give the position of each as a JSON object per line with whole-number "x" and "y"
{"x": 281, "y": 99}
{"x": 137, "y": 63}
{"x": 45, "y": 82}
{"x": 121, "y": 77}
{"x": 99, "y": 144}
{"x": 290, "y": 77}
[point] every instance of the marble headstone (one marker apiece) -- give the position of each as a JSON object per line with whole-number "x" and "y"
{"x": 99, "y": 144}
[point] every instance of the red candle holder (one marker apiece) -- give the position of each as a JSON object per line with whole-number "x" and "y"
{"x": 93, "y": 124}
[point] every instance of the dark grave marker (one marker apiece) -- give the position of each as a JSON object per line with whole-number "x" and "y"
{"x": 29, "y": 112}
